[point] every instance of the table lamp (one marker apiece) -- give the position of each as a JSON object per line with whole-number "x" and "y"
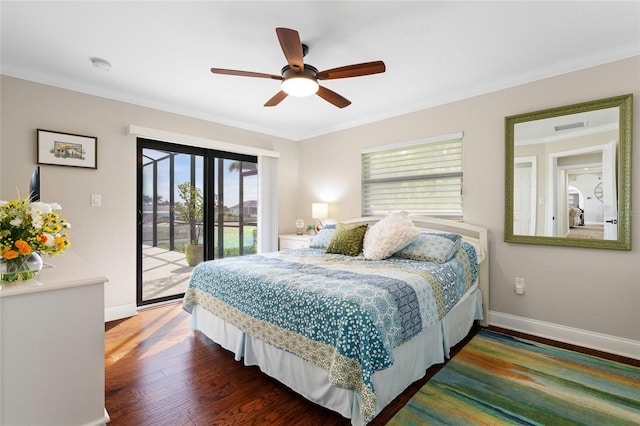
{"x": 319, "y": 211}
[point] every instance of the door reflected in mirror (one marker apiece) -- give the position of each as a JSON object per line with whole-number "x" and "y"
{"x": 568, "y": 175}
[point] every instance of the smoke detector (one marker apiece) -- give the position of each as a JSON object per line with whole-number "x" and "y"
{"x": 101, "y": 64}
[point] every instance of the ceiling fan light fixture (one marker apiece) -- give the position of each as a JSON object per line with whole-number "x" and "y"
{"x": 300, "y": 83}
{"x": 300, "y": 86}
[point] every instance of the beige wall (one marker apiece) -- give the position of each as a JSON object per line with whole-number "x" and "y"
{"x": 106, "y": 236}
{"x": 588, "y": 289}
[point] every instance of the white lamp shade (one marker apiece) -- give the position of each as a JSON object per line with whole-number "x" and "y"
{"x": 319, "y": 210}
{"x": 300, "y": 86}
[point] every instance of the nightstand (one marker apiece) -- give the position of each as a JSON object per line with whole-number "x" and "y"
{"x": 289, "y": 241}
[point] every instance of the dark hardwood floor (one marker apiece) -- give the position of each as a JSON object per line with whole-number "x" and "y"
{"x": 158, "y": 372}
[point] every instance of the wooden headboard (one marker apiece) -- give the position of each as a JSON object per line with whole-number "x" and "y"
{"x": 469, "y": 232}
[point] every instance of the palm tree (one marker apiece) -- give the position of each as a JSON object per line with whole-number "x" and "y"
{"x": 247, "y": 167}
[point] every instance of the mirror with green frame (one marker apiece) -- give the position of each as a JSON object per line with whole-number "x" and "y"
{"x": 568, "y": 175}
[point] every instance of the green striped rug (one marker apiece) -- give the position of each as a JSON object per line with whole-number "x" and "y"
{"x": 498, "y": 379}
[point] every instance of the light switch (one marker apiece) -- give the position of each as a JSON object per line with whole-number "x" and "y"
{"x": 96, "y": 200}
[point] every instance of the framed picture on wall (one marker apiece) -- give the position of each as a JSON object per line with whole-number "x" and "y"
{"x": 66, "y": 149}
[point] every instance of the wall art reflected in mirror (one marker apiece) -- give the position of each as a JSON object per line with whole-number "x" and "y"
{"x": 568, "y": 175}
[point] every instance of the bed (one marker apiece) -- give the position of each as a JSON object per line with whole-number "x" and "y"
{"x": 347, "y": 332}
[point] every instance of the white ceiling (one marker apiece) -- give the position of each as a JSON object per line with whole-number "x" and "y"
{"x": 435, "y": 52}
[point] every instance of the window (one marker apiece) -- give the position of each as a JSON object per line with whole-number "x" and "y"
{"x": 422, "y": 177}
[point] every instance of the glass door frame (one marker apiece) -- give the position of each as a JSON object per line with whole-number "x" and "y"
{"x": 143, "y": 143}
{"x": 212, "y": 166}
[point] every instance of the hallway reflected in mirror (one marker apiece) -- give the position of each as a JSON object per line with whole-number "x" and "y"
{"x": 587, "y": 231}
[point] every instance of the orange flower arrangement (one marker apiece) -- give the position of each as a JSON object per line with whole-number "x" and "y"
{"x": 27, "y": 227}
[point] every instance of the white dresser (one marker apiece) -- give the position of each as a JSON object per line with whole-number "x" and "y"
{"x": 52, "y": 347}
{"x": 289, "y": 241}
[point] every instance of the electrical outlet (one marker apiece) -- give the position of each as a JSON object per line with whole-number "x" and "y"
{"x": 519, "y": 285}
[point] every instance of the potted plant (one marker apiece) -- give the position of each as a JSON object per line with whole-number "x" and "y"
{"x": 190, "y": 211}
{"x": 311, "y": 230}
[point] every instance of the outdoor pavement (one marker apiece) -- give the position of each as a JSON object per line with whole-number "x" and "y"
{"x": 165, "y": 272}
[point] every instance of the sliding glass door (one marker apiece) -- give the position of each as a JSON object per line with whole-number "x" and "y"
{"x": 193, "y": 204}
{"x": 235, "y": 219}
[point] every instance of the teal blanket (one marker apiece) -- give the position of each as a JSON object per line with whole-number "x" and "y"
{"x": 344, "y": 314}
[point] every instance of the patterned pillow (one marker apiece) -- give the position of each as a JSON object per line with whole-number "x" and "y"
{"x": 389, "y": 235}
{"x": 435, "y": 247}
{"x": 448, "y": 235}
{"x": 324, "y": 236}
{"x": 347, "y": 239}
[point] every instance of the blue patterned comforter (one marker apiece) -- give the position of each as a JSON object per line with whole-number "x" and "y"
{"x": 344, "y": 314}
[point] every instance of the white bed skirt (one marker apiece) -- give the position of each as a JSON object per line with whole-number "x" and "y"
{"x": 412, "y": 359}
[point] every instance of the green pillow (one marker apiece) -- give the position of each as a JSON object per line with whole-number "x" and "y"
{"x": 347, "y": 239}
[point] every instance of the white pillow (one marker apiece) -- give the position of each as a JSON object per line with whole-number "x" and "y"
{"x": 389, "y": 235}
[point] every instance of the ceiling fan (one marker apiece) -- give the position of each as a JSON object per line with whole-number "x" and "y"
{"x": 300, "y": 79}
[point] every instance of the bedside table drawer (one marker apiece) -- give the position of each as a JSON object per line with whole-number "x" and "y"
{"x": 291, "y": 241}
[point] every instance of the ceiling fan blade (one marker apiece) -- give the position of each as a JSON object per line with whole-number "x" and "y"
{"x": 245, "y": 73}
{"x": 355, "y": 70}
{"x": 276, "y": 99}
{"x": 332, "y": 97}
{"x": 291, "y": 47}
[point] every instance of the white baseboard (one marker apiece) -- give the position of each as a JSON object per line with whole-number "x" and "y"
{"x": 575, "y": 336}
{"x": 119, "y": 312}
{"x": 99, "y": 422}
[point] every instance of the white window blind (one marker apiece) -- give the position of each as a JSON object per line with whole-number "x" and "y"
{"x": 422, "y": 177}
